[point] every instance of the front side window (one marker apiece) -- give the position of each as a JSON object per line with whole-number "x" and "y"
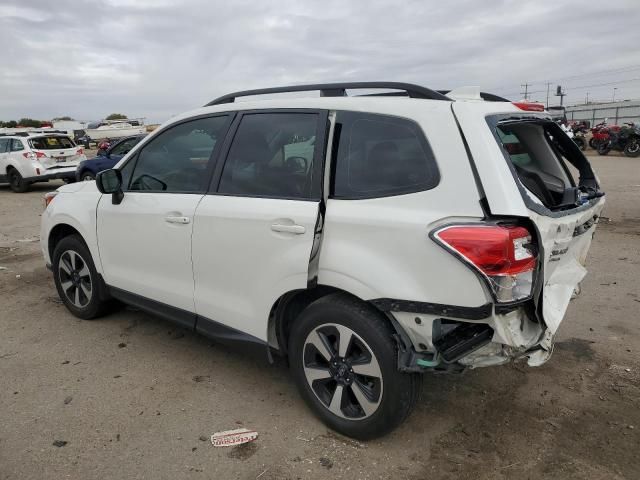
{"x": 178, "y": 159}
{"x": 272, "y": 155}
{"x": 16, "y": 145}
{"x": 381, "y": 155}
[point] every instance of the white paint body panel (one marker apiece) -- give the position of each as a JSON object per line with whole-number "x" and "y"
{"x": 242, "y": 266}
{"x": 75, "y": 205}
{"x": 380, "y": 247}
{"x": 144, "y": 254}
{"x": 497, "y": 181}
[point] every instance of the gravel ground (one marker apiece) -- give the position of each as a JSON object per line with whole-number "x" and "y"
{"x": 131, "y": 396}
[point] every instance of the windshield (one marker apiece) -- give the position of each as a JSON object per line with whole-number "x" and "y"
{"x": 540, "y": 153}
{"x": 51, "y": 143}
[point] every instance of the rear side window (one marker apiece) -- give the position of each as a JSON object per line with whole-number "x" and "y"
{"x": 381, "y": 155}
{"x": 16, "y": 145}
{"x": 51, "y": 143}
{"x": 4, "y": 144}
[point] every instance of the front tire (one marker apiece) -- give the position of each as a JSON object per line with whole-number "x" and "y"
{"x": 16, "y": 182}
{"x": 344, "y": 361}
{"x": 87, "y": 177}
{"x": 77, "y": 280}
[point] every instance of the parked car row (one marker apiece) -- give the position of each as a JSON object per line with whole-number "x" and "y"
{"x": 32, "y": 157}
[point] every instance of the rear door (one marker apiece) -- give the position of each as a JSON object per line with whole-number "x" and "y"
{"x": 529, "y": 167}
{"x": 253, "y": 233}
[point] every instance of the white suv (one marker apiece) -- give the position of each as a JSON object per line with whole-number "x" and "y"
{"x": 37, "y": 156}
{"x": 368, "y": 239}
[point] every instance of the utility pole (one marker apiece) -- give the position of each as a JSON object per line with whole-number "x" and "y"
{"x": 586, "y": 100}
{"x": 548, "y": 95}
{"x": 526, "y": 90}
{"x": 613, "y": 98}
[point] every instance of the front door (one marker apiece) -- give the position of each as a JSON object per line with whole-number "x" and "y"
{"x": 253, "y": 234}
{"x": 145, "y": 241}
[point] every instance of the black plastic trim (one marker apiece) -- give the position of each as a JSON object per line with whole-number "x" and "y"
{"x": 467, "y": 313}
{"x": 336, "y": 90}
{"x": 205, "y": 326}
{"x": 173, "y": 314}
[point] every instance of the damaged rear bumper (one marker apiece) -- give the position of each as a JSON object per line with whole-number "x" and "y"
{"x": 481, "y": 337}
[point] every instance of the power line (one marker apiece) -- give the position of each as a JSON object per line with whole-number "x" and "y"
{"x": 607, "y": 83}
{"x": 626, "y": 69}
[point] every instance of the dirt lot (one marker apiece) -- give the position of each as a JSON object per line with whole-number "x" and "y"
{"x": 134, "y": 397}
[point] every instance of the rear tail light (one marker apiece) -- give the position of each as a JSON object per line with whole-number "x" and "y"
{"x": 34, "y": 155}
{"x": 48, "y": 198}
{"x": 530, "y": 106}
{"x": 504, "y": 254}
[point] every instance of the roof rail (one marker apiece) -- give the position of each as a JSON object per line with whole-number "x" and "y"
{"x": 336, "y": 90}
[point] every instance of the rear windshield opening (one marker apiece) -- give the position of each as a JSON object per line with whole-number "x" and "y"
{"x": 51, "y": 143}
{"x": 540, "y": 153}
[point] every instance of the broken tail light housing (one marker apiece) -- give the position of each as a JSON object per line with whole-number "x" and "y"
{"x": 504, "y": 255}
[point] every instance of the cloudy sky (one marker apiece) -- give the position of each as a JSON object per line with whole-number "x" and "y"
{"x": 157, "y": 58}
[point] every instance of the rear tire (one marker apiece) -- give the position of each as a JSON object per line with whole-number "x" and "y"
{"x": 580, "y": 143}
{"x": 77, "y": 281}
{"x": 604, "y": 149}
{"x": 344, "y": 361}
{"x": 87, "y": 177}
{"x": 632, "y": 149}
{"x": 16, "y": 182}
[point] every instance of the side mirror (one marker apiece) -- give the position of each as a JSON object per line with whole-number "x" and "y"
{"x": 110, "y": 181}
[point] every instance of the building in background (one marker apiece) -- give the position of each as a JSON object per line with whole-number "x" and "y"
{"x": 615, "y": 113}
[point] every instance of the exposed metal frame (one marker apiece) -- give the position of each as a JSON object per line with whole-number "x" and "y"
{"x": 336, "y": 90}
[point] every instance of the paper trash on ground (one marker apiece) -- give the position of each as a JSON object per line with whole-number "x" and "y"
{"x": 230, "y": 438}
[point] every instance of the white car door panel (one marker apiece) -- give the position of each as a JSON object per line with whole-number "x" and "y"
{"x": 145, "y": 241}
{"x": 252, "y": 239}
{"x": 244, "y": 260}
{"x": 143, "y": 251}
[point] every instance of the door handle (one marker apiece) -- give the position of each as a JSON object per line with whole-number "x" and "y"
{"x": 297, "y": 229}
{"x": 177, "y": 219}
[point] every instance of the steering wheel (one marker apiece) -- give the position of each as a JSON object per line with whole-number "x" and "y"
{"x": 296, "y": 164}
